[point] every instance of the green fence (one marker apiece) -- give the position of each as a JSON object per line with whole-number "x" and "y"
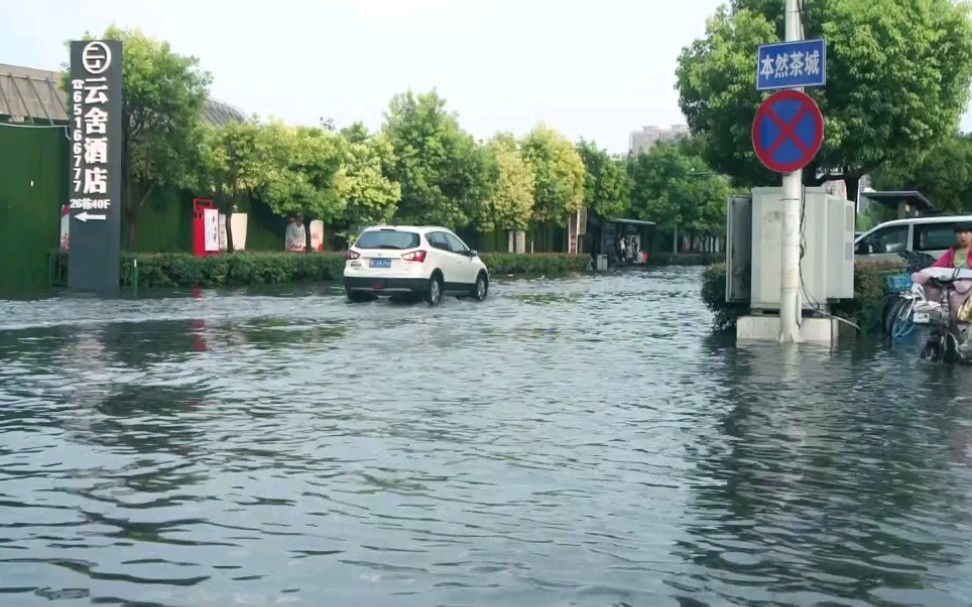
{"x": 33, "y": 186}
{"x": 165, "y": 223}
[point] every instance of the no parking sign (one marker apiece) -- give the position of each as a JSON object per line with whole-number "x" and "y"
{"x": 788, "y": 131}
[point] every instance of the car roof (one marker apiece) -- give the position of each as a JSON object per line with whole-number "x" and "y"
{"x": 913, "y": 220}
{"x": 926, "y": 219}
{"x": 419, "y": 229}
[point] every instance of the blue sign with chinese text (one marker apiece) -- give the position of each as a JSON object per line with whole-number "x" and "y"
{"x": 800, "y": 63}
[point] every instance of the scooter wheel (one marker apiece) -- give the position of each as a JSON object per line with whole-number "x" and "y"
{"x": 932, "y": 351}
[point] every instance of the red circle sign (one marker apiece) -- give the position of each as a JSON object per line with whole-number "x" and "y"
{"x": 787, "y": 131}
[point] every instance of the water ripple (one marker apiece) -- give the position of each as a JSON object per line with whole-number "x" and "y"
{"x": 569, "y": 442}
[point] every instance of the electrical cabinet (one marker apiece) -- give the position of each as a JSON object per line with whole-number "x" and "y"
{"x": 827, "y": 248}
{"x": 739, "y": 248}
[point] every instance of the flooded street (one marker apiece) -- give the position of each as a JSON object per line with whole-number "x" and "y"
{"x": 581, "y": 442}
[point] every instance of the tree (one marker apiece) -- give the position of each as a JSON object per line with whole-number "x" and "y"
{"x": 510, "y": 204}
{"x": 559, "y": 172}
{"x": 164, "y": 95}
{"x": 606, "y": 187}
{"x": 944, "y": 175}
{"x": 299, "y": 171}
{"x": 232, "y": 162}
{"x": 357, "y": 132}
{"x": 370, "y": 196}
{"x": 676, "y": 190}
{"x": 443, "y": 176}
{"x": 898, "y": 76}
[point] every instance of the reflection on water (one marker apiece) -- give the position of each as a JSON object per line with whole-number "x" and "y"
{"x": 852, "y": 491}
{"x": 576, "y": 442}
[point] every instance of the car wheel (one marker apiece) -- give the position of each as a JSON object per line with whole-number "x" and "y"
{"x": 481, "y": 290}
{"x": 434, "y": 293}
{"x": 355, "y": 297}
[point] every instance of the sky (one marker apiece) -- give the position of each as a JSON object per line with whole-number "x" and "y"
{"x": 596, "y": 69}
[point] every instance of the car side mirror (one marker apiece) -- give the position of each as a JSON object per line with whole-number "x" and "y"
{"x": 473, "y": 253}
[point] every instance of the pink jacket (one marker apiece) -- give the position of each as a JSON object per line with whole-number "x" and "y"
{"x": 947, "y": 260}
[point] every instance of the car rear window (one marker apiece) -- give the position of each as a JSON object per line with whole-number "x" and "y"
{"x": 388, "y": 239}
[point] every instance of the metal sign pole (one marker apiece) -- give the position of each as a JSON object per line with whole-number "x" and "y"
{"x": 790, "y": 303}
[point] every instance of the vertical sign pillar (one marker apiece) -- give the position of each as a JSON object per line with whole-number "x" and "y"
{"x": 790, "y": 301}
{"x": 95, "y": 180}
{"x": 787, "y": 134}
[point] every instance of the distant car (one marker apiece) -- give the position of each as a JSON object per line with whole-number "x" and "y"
{"x": 931, "y": 234}
{"x": 413, "y": 261}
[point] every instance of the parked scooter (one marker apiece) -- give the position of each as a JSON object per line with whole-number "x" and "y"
{"x": 949, "y": 336}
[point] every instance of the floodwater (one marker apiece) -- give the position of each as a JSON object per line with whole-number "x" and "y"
{"x": 568, "y": 442}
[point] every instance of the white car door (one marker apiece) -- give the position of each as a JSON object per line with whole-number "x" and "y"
{"x": 446, "y": 260}
{"x": 467, "y": 271}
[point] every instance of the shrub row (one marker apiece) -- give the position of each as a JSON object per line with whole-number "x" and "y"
{"x": 865, "y": 309}
{"x": 259, "y": 268}
{"x": 685, "y": 259}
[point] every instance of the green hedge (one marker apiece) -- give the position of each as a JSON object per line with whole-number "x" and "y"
{"x": 865, "y": 309}
{"x": 241, "y": 269}
{"x": 685, "y": 259}
{"x": 537, "y": 264}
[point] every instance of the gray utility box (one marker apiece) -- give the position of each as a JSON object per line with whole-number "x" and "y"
{"x": 754, "y": 255}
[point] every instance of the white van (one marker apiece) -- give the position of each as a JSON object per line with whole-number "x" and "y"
{"x": 932, "y": 235}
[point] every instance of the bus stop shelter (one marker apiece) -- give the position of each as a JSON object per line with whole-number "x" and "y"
{"x": 907, "y": 203}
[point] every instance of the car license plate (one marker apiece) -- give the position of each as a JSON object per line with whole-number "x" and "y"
{"x": 380, "y": 263}
{"x": 921, "y": 318}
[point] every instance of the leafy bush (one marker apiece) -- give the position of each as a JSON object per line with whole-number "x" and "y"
{"x": 543, "y": 263}
{"x": 685, "y": 259}
{"x": 184, "y": 269}
{"x": 724, "y": 314}
{"x": 870, "y": 293}
{"x": 866, "y": 307}
{"x": 260, "y": 268}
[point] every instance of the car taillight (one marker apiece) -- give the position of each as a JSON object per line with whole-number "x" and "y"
{"x": 418, "y": 256}
{"x": 352, "y": 255}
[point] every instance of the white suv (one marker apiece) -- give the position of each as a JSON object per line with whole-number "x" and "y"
{"x": 408, "y": 260}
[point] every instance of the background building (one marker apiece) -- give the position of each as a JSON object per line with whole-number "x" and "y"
{"x": 648, "y": 136}
{"x": 33, "y": 96}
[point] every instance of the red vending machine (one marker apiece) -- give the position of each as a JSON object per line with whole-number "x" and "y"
{"x": 205, "y": 227}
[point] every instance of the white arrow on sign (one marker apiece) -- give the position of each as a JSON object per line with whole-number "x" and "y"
{"x": 85, "y": 216}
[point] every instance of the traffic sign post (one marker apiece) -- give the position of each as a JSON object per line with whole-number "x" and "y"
{"x": 788, "y": 131}
{"x": 787, "y": 134}
{"x": 794, "y": 64}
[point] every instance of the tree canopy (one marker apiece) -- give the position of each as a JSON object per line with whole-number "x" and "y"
{"x": 675, "y": 188}
{"x": 606, "y": 187}
{"x": 510, "y": 203}
{"x": 559, "y": 173}
{"x": 232, "y": 158}
{"x": 441, "y": 171}
{"x": 898, "y": 76}
{"x": 370, "y": 196}
{"x": 944, "y": 175}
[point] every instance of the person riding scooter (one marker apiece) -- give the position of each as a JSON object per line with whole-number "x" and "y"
{"x": 958, "y": 257}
